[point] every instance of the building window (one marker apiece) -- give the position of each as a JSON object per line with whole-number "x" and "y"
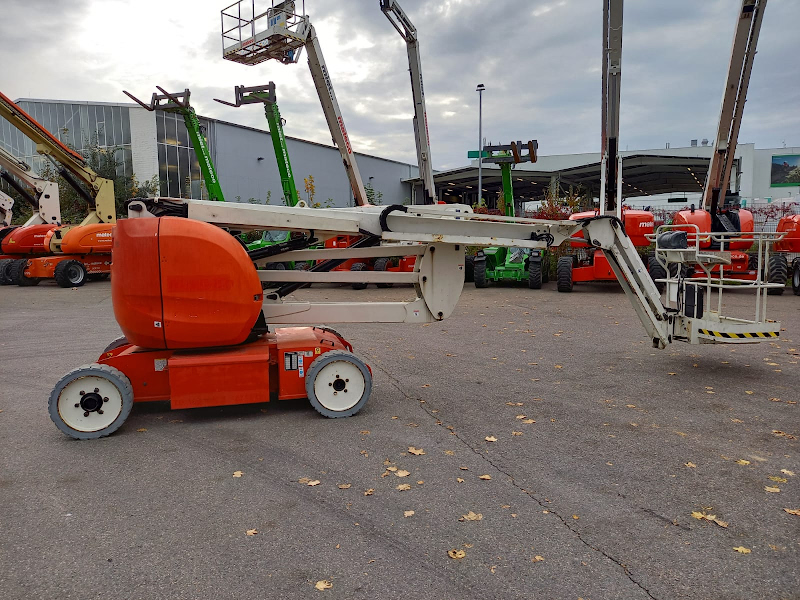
{"x": 178, "y": 166}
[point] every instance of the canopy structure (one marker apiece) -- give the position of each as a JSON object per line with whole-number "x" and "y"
{"x": 642, "y": 175}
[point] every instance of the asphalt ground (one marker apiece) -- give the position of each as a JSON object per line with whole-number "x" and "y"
{"x": 593, "y": 500}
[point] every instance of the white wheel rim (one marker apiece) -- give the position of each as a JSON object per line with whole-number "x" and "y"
{"x": 339, "y": 385}
{"x": 76, "y": 416}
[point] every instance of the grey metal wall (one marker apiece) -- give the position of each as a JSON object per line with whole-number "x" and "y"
{"x": 243, "y": 176}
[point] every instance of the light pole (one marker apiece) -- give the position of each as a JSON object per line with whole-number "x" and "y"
{"x": 480, "y": 89}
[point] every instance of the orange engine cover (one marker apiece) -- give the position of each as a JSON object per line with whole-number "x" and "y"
{"x": 88, "y": 239}
{"x": 27, "y": 240}
{"x": 638, "y": 224}
{"x": 791, "y": 241}
{"x": 178, "y": 283}
{"x": 702, "y": 219}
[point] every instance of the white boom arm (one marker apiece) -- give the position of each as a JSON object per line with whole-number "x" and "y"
{"x": 441, "y": 233}
{"x": 251, "y": 36}
{"x": 408, "y": 32}
{"x": 44, "y": 200}
{"x": 734, "y": 96}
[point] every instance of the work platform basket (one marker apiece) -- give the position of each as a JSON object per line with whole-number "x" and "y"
{"x": 254, "y": 31}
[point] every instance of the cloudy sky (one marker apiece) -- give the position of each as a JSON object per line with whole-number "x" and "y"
{"x": 539, "y": 60}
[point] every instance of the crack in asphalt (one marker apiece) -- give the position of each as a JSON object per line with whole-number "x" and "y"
{"x": 397, "y": 385}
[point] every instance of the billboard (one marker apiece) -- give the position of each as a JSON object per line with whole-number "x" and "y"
{"x": 785, "y": 170}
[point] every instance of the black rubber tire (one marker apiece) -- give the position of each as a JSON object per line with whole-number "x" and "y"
{"x": 16, "y": 273}
{"x": 777, "y": 272}
{"x": 359, "y": 285}
{"x": 382, "y": 264}
{"x": 796, "y": 276}
{"x": 4, "y": 264}
{"x": 479, "y": 273}
{"x": 545, "y": 267}
{"x": 469, "y": 269}
{"x": 675, "y": 268}
{"x": 113, "y": 345}
{"x": 657, "y": 272}
{"x": 276, "y": 267}
{"x": 752, "y": 261}
{"x": 535, "y": 273}
{"x": 98, "y": 276}
{"x": 325, "y": 360}
{"x": 113, "y": 376}
{"x": 70, "y": 274}
{"x": 564, "y": 274}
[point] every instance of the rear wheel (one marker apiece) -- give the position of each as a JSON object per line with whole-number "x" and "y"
{"x": 382, "y": 264}
{"x": 564, "y": 274}
{"x": 16, "y": 273}
{"x": 778, "y": 272}
{"x": 479, "y": 273}
{"x": 796, "y": 277}
{"x": 535, "y": 273}
{"x": 91, "y": 401}
{"x": 469, "y": 269}
{"x": 359, "y": 285}
{"x": 338, "y": 384}
{"x": 70, "y": 273}
{"x": 4, "y": 264}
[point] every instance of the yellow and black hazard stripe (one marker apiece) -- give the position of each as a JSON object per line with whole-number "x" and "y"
{"x": 740, "y": 336}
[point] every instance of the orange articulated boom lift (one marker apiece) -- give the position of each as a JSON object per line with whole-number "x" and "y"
{"x": 722, "y": 225}
{"x": 75, "y": 253}
{"x": 196, "y": 321}
{"x": 27, "y": 239}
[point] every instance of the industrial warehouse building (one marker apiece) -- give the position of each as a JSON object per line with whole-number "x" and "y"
{"x": 157, "y": 144}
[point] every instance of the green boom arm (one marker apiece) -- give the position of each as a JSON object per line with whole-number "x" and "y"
{"x": 266, "y": 95}
{"x": 179, "y": 103}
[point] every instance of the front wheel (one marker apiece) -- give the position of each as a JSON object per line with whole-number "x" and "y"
{"x": 359, "y": 285}
{"x": 70, "y": 273}
{"x": 382, "y": 264}
{"x": 91, "y": 401}
{"x": 657, "y": 271}
{"x": 535, "y": 273}
{"x": 564, "y": 274}
{"x": 469, "y": 269}
{"x": 479, "y": 273}
{"x": 778, "y": 272}
{"x": 338, "y": 384}
{"x": 796, "y": 277}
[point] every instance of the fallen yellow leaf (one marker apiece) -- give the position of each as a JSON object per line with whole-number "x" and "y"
{"x": 521, "y": 417}
{"x": 456, "y": 554}
{"x": 391, "y": 469}
{"x": 344, "y": 486}
{"x": 304, "y": 480}
{"x": 741, "y": 461}
{"x": 537, "y": 558}
{"x": 416, "y": 451}
{"x": 403, "y": 487}
{"x": 485, "y": 477}
{"x": 449, "y": 453}
{"x": 313, "y": 483}
{"x": 528, "y": 421}
{"x": 364, "y": 432}
{"x": 251, "y": 532}
{"x": 742, "y": 550}
{"x": 490, "y": 438}
{"x": 777, "y": 479}
{"x": 141, "y": 430}
{"x": 471, "y": 516}
{"x": 787, "y": 472}
{"x": 691, "y": 465}
{"x": 402, "y": 473}
{"x": 793, "y": 511}
{"x": 459, "y": 480}
{"x": 323, "y": 585}
{"x": 516, "y": 433}
{"x": 369, "y": 492}
{"x": 748, "y": 392}
{"x": 576, "y": 517}
{"x": 772, "y": 490}
{"x": 408, "y": 513}
{"x": 238, "y": 473}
